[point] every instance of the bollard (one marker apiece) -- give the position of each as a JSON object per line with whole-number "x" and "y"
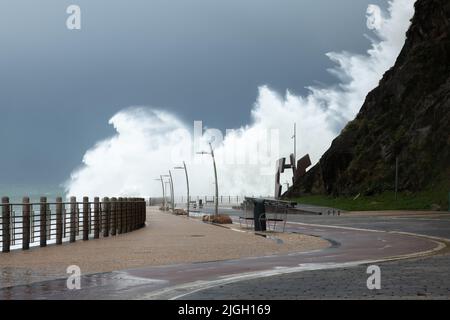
{"x": 59, "y": 222}
{"x": 6, "y": 224}
{"x": 259, "y": 214}
{"x": 43, "y": 222}
{"x": 107, "y": 214}
{"x": 26, "y": 209}
{"x": 73, "y": 218}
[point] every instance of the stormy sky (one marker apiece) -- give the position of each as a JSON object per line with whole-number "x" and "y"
{"x": 200, "y": 59}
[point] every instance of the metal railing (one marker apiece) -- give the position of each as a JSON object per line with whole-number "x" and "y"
{"x": 181, "y": 200}
{"x": 269, "y": 214}
{"x": 40, "y": 223}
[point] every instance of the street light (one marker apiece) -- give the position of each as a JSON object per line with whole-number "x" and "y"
{"x": 171, "y": 191}
{"x": 163, "y": 190}
{"x": 215, "y": 176}
{"x": 171, "y": 187}
{"x": 187, "y": 184}
{"x": 295, "y": 142}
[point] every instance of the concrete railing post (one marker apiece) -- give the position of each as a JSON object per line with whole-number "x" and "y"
{"x": 6, "y": 225}
{"x": 43, "y": 222}
{"x": 96, "y": 217}
{"x": 73, "y": 218}
{"x": 59, "y": 220}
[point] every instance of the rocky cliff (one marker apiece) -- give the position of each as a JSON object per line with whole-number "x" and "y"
{"x": 406, "y": 117}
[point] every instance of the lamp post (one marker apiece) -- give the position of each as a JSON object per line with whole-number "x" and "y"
{"x": 170, "y": 182}
{"x": 164, "y": 193}
{"x": 215, "y": 176}
{"x": 171, "y": 191}
{"x": 295, "y": 142}
{"x": 187, "y": 184}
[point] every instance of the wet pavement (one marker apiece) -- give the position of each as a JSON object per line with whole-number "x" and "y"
{"x": 349, "y": 248}
{"x": 422, "y": 278}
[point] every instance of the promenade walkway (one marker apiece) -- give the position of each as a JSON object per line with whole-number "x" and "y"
{"x": 167, "y": 239}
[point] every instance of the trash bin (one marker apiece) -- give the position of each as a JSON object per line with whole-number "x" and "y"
{"x": 259, "y": 212}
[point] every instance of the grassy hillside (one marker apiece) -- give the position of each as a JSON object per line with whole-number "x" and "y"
{"x": 424, "y": 200}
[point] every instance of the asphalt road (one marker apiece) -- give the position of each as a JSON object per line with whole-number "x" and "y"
{"x": 423, "y": 278}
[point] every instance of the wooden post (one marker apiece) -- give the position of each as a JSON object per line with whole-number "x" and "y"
{"x": 43, "y": 222}
{"x": 26, "y": 209}
{"x": 125, "y": 215}
{"x": 119, "y": 215}
{"x": 96, "y": 217}
{"x": 59, "y": 222}
{"x": 6, "y": 225}
{"x": 129, "y": 213}
{"x": 85, "y": 218}
{"x": 144, "y": 214}
{"x": 114, "y": 216}
{"x": 135, "y": 213}
{"x": 73, "y": 218}
{"x": 106, "y": 208}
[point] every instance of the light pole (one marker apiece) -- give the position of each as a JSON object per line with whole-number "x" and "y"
{"x": 295, "y": 142}
{"x": 170, "y": 182}
{"x": 215, "y": 176}
{"x": 164, "y": 193}
{"x": 171, "y": 191}
{"x": 187, "y": 184}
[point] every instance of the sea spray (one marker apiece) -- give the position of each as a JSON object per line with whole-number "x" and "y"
{"x": 149, "y": 142}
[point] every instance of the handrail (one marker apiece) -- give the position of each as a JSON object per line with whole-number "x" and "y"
{"x": 40, "y": 223}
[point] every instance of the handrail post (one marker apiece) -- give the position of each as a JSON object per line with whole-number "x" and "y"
{"x": 144, "y": 215}
{"x": 114, "y": 216}
{"x": 129, "y": 212}
{"x": 120, "y": 214}
{"x": 96, "y": 218}
{"x": 59, "y": 223}
{"x": 26, "y": 223}
{"x": 135, "y": 213}
{"x": 73, "y": 217}
{"x": 43, "y": 222}
{"x": 85, "y": 218}
{"x": 125, "y": 213}
{"x": 6, "y": 224}
{"x": 107, "y": 216}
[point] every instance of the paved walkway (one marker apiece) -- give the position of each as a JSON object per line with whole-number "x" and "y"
{"x": 351, "y": 248}
{"x": 167, "y": 239}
